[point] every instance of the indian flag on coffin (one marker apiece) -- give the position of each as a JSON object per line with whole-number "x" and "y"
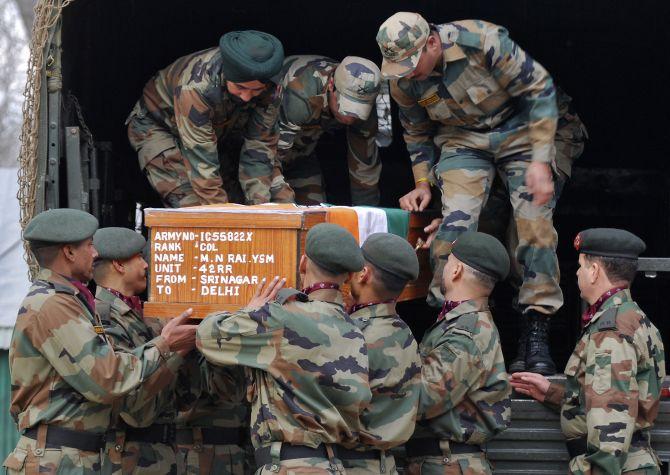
{"x": 361, "y": 221}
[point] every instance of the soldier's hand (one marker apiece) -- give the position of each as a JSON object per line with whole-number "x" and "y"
{"x": 540, "y": 182}
{"x": 180, "y": 335}
{"x": 265, "y": 293}
{"x": 531, "y": 384}
{"x": 417, "y": 199}
{"x": 431, "y": 230}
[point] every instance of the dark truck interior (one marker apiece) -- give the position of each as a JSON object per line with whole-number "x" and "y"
{"x": 603, "y": 53}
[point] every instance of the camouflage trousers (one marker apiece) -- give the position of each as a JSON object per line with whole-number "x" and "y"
{"x": 140, "y": 458}
{"x": 638, "y": 462}
{"x": 167, "y": 170}
{"x": 384, "y": 466}
{"x": 27, "y": 458}
{"x": 465, "y": 177}
{"x": 496, "y": 217}
{"x": 460, "y": 464}
{"x": 304, "y": 174}
{"x": 212, "y": 460}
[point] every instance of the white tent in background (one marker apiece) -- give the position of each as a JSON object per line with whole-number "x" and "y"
{"x": 14, "y": 281}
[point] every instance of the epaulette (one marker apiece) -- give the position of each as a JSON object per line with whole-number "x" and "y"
{"x": 63, "y": 289}
{"x": 469, "y": 39}
{"x": 465, "y": 324}
{"x": 285, "y": 295}
{"x": 104, "y": 311}
{"x": 607, "y": 321}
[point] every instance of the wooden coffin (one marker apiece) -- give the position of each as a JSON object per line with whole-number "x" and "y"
{"x": 211, "y": 258}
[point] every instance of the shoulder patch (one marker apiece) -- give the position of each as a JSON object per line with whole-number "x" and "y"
{"x": 286, "y": 295}
{"x": 607, "y": 321}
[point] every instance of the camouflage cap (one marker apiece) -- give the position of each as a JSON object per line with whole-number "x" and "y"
{"x": 118, "y": 243}
{"x": 609, "y": 242}
{"x": 482, "y": 252}
{"x": 60, "y": 226}
{"x": 357, "y": 83}
{"x": 391, "y": 254}
{"x": 401, "y": 39}
{"x": 333, "y": 248}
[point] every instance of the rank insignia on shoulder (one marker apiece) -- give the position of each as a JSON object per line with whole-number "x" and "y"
{"x": 99, "y": 330}
{"x": 429, "y": 101}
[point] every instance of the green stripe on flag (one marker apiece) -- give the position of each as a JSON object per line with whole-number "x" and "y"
{"x": 398, "y": 221}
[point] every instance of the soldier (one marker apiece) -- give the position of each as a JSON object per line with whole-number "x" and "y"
{"x": 141, "y": 439}
{"x": 320, "y": 96}
{"x": 306, "y": 361}
{"x": 65, "y": 375}
{"x": 213, "y": 420}
{"x": 193, "y": 104}
{"x": 614, "y": 376}
{"x": 465, "y": 392}
{"x": 395, "y": 366}
{"x": 472, "y": 102}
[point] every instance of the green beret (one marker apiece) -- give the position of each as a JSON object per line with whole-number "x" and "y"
{"x": 60, "y": 226}
{"x": 118, "y": 243}
{"x": 392, "y": 254}
{"x": 250, "y": 56}
{"x": 482, "y": 252}
{"x": 334, "y": 249}
{"x": 609, "y": 242}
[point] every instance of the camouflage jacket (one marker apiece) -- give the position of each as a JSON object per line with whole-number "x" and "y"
{"x": 63, "y": 369}
{"x": 486, "y": 78}
{"x": 613, "y": 386}
{"x": 190, "y": 99}
{"x": 127, "y": 330}
{"x": 465, "y": 391}
{"x": 305, "y": 115}
{"x": 395, "y": 377}
{"x": 211, "y": 396}
{"x": 307, "y": 365}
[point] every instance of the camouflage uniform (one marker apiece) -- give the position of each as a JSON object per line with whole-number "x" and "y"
{"x": 304, "y": 117}
{"x": 211, "y": 401}
{"x": 496, "y": 218}
{"x": 184, "y": 113}
{"x": 395, "y": 377}
{"x": 127, "y": 330}
{"x": 465, "y": 392}
{"x": 491, "y": 108}
{"x": 65, "y": 375}
{"x": 612, "y": 391}
{"x": 307, "y": 369}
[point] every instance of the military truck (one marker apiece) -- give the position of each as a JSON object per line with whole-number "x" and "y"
{"x": 91, "y": 58}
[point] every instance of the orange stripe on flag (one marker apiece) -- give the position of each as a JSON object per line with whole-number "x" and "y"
{"x": 345, "y": 217}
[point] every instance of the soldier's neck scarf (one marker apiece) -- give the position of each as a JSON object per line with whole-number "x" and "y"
{"x": 447, "y": 307}
{"x": 593, "y": 309}
{"x": 359, "y": 306}
{"x": 320, "y": 286}
{"x": 84, "y": 294}
{"x": 133, "y": 302}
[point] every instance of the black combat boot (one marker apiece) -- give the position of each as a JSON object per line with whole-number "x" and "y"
{"x": 519, "y": 363}
{"x": 538, "y": 359}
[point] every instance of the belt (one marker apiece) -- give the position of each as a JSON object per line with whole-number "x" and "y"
{"x": 154, "y": 434}
{"x": 212, "y": 436}
{"x": 579, "y": 446}
{"x": 289, "y": 452}
{"x": 349, "y": 454}
{"x": 61, "y": 437}
{"x": 428, "y": 447}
